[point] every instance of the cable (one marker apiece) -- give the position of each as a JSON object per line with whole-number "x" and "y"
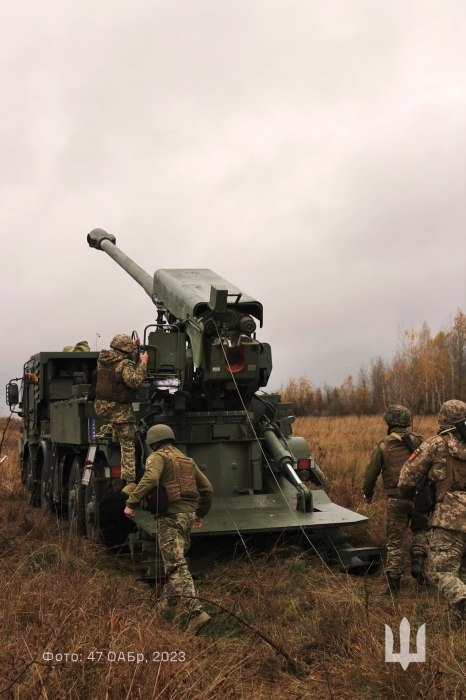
{"x": 346, "y": 588}
{"x": 333, "y": 574}
{"x": 267, "y": 404}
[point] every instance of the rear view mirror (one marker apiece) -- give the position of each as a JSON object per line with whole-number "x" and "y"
{"x": 12, "y": 394}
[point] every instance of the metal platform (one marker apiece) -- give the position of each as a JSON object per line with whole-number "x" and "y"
{"x": 264, "y": 513}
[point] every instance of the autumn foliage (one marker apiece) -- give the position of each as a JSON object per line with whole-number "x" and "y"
{"x": 426, "y": 371}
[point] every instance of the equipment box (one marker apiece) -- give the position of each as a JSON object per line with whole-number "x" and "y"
{"x": 68, "y": 422}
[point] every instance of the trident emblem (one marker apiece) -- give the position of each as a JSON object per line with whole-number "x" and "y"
{"x": 404, "y": 657}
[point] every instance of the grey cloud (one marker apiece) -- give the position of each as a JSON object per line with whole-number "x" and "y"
{"x": 311, "y": 153}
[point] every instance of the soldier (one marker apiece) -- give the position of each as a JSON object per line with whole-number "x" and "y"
{"x": 117, "y": 379}
{"x": 189, "y": 495}
{"x": 388, "y": 457}
{"x": 443, "y": 459}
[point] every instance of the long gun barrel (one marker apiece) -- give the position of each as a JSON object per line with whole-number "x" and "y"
{"x": 101, "y": 240}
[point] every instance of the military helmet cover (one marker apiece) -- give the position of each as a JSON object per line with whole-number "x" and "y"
{"x": 451, "y": 412}
{"x": 82, "y": 346}
{"x": 160, "y": 432}
{"x": 122, "y": 342}
{"x": 397, "y": 415}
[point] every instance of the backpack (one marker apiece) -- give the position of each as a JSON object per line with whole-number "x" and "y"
{"x": 424, "y": 496}
{"x": 157, "y": 501}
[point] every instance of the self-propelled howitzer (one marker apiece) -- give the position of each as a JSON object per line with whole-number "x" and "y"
{"x": 205, "y": 371}
{"x": 205, "y": 368}
{"x": 217, "y": 356}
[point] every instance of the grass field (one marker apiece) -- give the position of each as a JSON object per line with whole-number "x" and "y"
{"x": 308, "y": 631}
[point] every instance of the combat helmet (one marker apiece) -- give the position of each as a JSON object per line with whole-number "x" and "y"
{"x": 159, "y": 433}
{"x": 397, "y": 415}
{"x": 451, "y": 412}
{"x": 122, "y": 342}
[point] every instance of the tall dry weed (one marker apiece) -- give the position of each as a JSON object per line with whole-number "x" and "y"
{"x": 61, "y": 594}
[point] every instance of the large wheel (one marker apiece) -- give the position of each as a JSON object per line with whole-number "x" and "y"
{"x": 104, "y": 517}
{"x": 76, "y": 499}
{"x": 32, "y": 484}
{"x": 92, "y": 499}
{"x": 45, "y": 499}
{"x": 24, "y": 461}
{"x": 44, "y": 465}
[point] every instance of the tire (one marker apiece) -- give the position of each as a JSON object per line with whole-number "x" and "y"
{"x": 92, "y": 499}
{"x": 45, "y": 500}
{"x": 32, "y": 485}
{"x": 76, "y": 499}
{"x": 46, "y": 495}
{"x": 24, "y": 469}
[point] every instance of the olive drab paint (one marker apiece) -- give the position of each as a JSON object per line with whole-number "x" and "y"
{"x": 205, "y": 368}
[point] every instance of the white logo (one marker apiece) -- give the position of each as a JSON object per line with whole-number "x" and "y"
{"x": 404, "y": 657}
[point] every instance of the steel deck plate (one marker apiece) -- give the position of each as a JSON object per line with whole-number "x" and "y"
{"x": 263, "y": 513}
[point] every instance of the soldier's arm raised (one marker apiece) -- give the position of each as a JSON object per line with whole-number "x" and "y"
{"x": 134, "y": 375}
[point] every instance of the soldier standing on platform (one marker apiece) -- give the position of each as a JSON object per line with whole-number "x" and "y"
{"x": 117, "y": 378}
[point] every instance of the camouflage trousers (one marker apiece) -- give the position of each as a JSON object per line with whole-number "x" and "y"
{"x": 448, "y": 566}
{"x": 124, "y": 434}
{"x": 400, "y": 517}
{"x": 174, "y": 540}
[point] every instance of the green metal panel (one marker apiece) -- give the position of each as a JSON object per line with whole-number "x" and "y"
{"x": 60, "y": 388}
{"x": 169, "y": 357}
{"x": 187, "y": 293}
{"x": 265, "y": 513}
{"x": 68, "y": 422}
{"x": 298, "y": 447}
{"x": 61, "y": 364}
{"x": 227, "y": 465}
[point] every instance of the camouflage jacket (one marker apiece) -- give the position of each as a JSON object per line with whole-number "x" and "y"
{"x": 450, "y": 514}
{"x": 376, "y": 462}
{"x": 126, "y": 372}
{"x": 159, "y": 463}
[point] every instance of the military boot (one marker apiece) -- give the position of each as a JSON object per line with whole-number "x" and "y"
{"x": 417, "y": 569}
{"x": 393, "y": 585}
{"x": 196, "y": 622}
{"x": 457, "y": 615}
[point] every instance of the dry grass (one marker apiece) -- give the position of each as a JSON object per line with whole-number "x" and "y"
{"x": 60, "y": 593}
{"x": 342, "y": 447}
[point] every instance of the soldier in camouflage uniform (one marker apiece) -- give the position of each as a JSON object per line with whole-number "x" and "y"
{"x": 443, "y": 459}
{"x": 189, "y": 494}
{"x": 387, "y": 458}
{"x": 117, "y": 379}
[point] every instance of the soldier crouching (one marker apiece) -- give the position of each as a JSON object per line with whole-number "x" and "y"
{"x": 189, "y": 496}
{"x": 387, "y": 458}
{"x": 442, "y": 458}
{"x": 117, "y": 379}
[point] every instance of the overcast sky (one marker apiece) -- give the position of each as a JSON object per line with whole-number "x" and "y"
{"x": 312, "y": 153}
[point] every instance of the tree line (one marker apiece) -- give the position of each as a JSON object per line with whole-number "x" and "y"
{"x": 425, "y": 371}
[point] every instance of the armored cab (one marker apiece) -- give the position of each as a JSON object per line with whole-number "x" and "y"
{"x": 206, "y": 377}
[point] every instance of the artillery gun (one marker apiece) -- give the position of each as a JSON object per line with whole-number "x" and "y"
{"x": 205, "y": 369}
